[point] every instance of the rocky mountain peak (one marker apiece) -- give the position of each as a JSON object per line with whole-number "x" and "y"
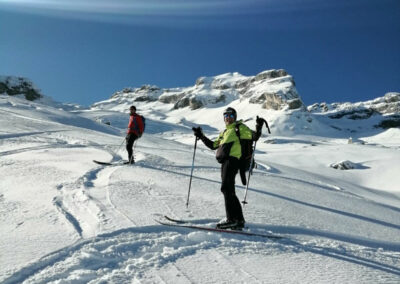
{"x": 386, "y": 110}
{"x": 386, "y": 105}
{"x": 273, "y": 89}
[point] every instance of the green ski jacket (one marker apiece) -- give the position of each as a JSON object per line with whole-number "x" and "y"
{"x": 228, "y": 143}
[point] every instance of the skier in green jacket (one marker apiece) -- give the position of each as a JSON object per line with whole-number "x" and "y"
{"x": 229, "y": 152}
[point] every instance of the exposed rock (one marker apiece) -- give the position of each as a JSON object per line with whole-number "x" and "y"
{"x": 295, "y": 104}
{"x": 259, "y": 99}
{"x": 277, "y": 101}
{"x": 182, "y": 103}
{"x": 271, "y": 101}
{"x": 389, "y": 122}
{"x": 13, "y": 86}
{"x": 386, "y": 109}
{"x": 243, "y": 84}
{"x": 318, "y": 107}
{"x": 221, "y": 86}
{"x": 128, "y": 90}
{"x": 149, "y": 88}
{"x": 392, "y": 97}
{"x": 388, "y": 104}
{"x": 146, "y": 93}
{"x": 171, "y": 98}
{"x": 270, "y": 74}
{"x": 221, "y": 98}
{"x": 195, "y": 104}
{"x": 200, "y": 81}
{"x": 344, "y": 165}
{"x": 144, "y": 98}
{"x": 360, "y": 113}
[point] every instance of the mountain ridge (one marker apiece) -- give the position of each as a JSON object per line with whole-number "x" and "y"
{"x": 271, "y": 93}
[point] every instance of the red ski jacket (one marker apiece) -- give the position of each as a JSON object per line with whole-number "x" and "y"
{"x": 135, "y": 125}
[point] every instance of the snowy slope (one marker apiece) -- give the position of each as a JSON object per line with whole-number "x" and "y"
{"x": 65, "y": 219}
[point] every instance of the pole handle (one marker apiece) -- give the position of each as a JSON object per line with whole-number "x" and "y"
{"x": 266, "y": 123}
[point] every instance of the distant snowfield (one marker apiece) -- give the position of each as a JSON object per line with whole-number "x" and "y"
{"x": 65, "y": 219}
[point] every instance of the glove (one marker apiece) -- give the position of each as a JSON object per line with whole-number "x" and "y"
{"x": 198, "y": 132}
{"x": 259, "y": 123}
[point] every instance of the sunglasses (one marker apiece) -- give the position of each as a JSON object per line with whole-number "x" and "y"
{"x": 229, "y": 115}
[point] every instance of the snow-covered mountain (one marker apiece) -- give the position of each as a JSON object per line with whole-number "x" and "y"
{"x": 273, "y": 89}
{"x": 271, "y": 93}
{"x": 65, "y": 219}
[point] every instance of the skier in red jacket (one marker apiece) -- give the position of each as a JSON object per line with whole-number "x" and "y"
{"x": 135, "y": 130}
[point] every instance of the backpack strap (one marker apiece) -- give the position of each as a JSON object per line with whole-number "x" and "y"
{"x": 237, "y": 131}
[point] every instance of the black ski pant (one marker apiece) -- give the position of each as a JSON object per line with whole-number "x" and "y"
{"x": 233, "y": 209}
{"x": 130, "y": 139}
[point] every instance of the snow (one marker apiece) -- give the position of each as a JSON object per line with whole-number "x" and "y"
{"x": 65, "y": 219}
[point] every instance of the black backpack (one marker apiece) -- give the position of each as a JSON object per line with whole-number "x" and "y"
{"x": 144, "y": 123}
{"x": 247, "y": 155}
{"x": 144, "y": 126}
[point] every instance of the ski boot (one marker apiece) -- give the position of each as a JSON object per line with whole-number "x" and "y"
{"x": 231, "y": 224}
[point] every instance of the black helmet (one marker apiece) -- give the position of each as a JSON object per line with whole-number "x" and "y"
{"x": 230, "y": 110}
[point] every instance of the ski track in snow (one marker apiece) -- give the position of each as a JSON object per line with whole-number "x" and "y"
{"x": 130, "y": 253}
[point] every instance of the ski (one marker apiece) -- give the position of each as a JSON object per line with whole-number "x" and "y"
{"x": 203, "y": 228}
{"x": 176, "y": 220}
{"x": 187, "y": 221}
{"x": 110, "y": 164}
{"x": 103, "y": 163}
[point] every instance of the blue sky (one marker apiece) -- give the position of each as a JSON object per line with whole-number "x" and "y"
{"x": 84, "y": 51}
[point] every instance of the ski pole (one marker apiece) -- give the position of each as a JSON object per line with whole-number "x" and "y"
{"x": 252, "y": 163}
{"x": 191, "y": 173}
{"x": 119, "y": 148}
{"x": 250, "y": 172}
